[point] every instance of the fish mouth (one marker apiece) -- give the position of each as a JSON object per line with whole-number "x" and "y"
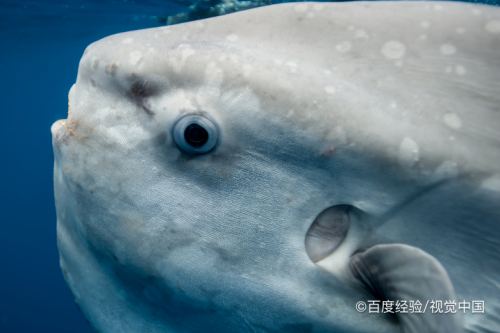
{"x": 59, "y": 135}
{"x": 58, "y": 128}
{"x": 62, "y": 130}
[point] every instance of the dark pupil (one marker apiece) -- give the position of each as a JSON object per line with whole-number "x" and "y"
{"x": 196, "y": 135}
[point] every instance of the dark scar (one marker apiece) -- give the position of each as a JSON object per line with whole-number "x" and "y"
{"x": 140, "y": 90}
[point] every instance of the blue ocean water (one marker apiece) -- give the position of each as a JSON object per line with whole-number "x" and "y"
{"x": 41, "y": 43}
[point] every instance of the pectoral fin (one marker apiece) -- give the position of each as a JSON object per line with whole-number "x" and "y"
{"x": 401, "y": 272}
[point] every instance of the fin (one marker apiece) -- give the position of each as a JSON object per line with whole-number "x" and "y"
{"x": 399, "y": 272}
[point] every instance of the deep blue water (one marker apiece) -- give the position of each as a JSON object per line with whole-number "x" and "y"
{"x": 41, "y": 43}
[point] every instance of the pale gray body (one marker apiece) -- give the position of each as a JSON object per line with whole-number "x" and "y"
{"x": 392, "y": 108}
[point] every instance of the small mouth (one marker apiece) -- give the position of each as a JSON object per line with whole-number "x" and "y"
{"x": 328, "y": 230}
{"x": 60, "y": 133}
{"x": 57, "y": 126}
{"x": 61, "y": 130}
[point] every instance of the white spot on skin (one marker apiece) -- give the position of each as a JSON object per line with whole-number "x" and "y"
{"x": 476, "y": 12}
{"x": 448, "y": 49}
{"x": 301, "y": 8}
{"x": 422, "y": 37}
{"x": 343, "y": 47}
{"x": 460, "y": 70}
{"x": 408, "y": 152}
{"x": 310, "y": 15}
{"x": 135, "y": 57}
{"x": 452, "y": 120}
{"x": 361, "y": 34}
{"x": 213, "y": 77}
{"x": 292, "y": 66}
{"x": 340, "y": 135}
{"x": 446, "y": 170}
{"x": 330, "y": 90}
{"x": 232, "y": 38}
{"x": 438, "y": 7}
{"x": 493, "y": 26}
{"x": 186, "y": 52}
{"x": 460, "y": 30}
{"x": 393, "y": 49}
{"x": 247, "y": 69}
{"x": 234, "y": 58}
{"x": 492, "y": 184}
{"x": 425, "y": 24}
{"x": 128, "y": 41}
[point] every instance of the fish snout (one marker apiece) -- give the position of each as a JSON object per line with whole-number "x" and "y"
{"x": 58, "y": 130}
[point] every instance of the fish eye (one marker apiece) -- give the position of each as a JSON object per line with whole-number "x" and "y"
{"x": 195, "y": 134}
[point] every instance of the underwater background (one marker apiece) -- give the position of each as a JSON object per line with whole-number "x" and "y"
{"x": 41, "y": 44}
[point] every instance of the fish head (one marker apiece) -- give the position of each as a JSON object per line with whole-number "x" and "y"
{"x": 224, "y": 172}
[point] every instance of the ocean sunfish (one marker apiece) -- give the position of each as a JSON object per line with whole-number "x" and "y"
{"x": 291, "y": 168}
